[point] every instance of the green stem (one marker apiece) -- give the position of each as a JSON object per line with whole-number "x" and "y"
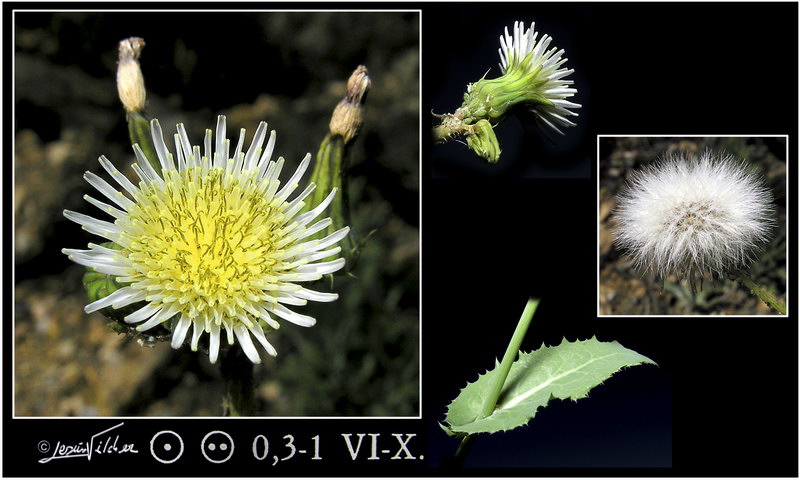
{"x": 321, "y": 177}
{"x": 463, "y": 448}
{"x": 765, "y": 295}
{"x": 139, "y": 131}
{"x": 237, "y": 370}
{"x": 500, "y": 377}
{"x": 450, "y": 127}
{"x": 511, "y": 354}
{"x": 340, "y": 210}
{"x": 329, "y": 173}
{"x": 442, "y": 133}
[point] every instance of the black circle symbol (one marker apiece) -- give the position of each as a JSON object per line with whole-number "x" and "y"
{"x": 214, "y": 446}
{"x": 44, "y": 446}
{"x": 164, "y": 449}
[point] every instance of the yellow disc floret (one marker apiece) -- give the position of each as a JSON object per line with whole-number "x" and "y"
{"x": 205, "y": 243}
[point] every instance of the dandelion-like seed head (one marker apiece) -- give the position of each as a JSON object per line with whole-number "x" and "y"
{"x": 212, "y": 241}
{"x": 522, "y": 52}
{"x": 690, "y": 215}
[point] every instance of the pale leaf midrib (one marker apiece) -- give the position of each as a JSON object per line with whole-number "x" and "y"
{"x": 528, "y": 393}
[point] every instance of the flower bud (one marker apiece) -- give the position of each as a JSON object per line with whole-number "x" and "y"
{"x": 347, "y": 118}
{"x": 130, "y": 81}
{"x": 483, "y": 141}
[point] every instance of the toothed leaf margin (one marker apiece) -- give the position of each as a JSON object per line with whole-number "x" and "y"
{"x": 566, "y": 371}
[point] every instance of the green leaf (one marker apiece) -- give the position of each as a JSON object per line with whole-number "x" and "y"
{"x": 566, "y": 371}
{"x": 100, "y": 285}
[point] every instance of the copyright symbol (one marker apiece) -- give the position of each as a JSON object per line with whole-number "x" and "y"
{"x": 44, "y": 446}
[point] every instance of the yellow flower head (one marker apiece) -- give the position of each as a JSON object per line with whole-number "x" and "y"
{"x": 211, "y": 240}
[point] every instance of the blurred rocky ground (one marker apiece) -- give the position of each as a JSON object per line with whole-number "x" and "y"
{"x": 290, "y": 69}
{"x": 627, "y": 291}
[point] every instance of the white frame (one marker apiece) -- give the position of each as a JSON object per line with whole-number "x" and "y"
{"x": 13, "y": 147}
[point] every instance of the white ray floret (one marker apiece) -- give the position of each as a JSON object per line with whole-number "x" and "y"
{"x": 210, "y": 243}
{"x": 689, "y": 216}
{"x": 522, "y": 50}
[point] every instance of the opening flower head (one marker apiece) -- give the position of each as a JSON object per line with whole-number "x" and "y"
{"x": 533, "y": 79}
{"x": 522, "y": 54}
{"x": 211, "y": 242}
{"x": 689, "y": 216}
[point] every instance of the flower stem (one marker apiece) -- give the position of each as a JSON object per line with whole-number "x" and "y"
{"x": 511, "y": 354}
{"x": 452, "y": 126}
{"x": 502, "y": 373}
{"x": 442, "y": 132}
{"x": 330, "y": 169}
{"x": 239, "y": 397}
{"x": 765, "y": 295}
{"x": 463, "y": 448}
{"x": 139, "y": 131}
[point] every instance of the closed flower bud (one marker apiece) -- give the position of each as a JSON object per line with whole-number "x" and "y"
{"x": 347, "y": 118}
{"x": 130, "y": 82}
{"x": 483, "y": 141}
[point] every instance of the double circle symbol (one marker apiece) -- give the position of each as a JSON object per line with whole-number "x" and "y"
{"x": 215, "y": 448}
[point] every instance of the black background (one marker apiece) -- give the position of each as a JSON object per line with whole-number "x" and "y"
{"x": 461, "y": 45}
{"x": 723, "y": 401}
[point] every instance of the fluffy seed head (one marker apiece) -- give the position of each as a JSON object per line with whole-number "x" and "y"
{"x": 210, "y": 241}
{"x": 689, "y": 216}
